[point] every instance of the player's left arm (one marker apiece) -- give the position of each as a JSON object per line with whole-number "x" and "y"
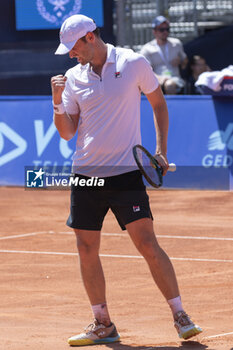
{"x": 161, "y": 120}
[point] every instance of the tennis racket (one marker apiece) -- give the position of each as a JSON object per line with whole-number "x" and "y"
{"x": 149, "y": 166}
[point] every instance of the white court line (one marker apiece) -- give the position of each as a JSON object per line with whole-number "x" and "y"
{"x": 217, "y": 335}
{"x": 107, "y": 255}
{"x": 193, "y": 237}
{"x": 25, "y": 235}
{"x": 35, "y": 252}
{"x": 103, "y": 234}
{"x": 120, "y": 235}
{"x": 162, "y": 236}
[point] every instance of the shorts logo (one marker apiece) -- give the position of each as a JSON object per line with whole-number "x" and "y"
{"x": 136, "y": 208}
{"x": 56, "y": 11}
{"x": 35, "y": 178}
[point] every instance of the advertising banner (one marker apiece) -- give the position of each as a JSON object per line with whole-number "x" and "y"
{"x": 28, "y": 137}
{"x": 50, "y": 14}
{"x": 200, "y": 140}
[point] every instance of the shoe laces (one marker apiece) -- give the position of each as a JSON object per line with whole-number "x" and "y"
{"x": 183, "y": 319}
{"x": 93, "y": 326}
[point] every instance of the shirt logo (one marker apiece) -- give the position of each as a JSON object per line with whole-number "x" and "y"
{"x": 117, "y": 74}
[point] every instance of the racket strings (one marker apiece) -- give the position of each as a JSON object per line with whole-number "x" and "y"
{"x": 148, "y": 167}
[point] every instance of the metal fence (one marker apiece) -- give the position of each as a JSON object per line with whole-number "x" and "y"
{"x": 188, "y": 19}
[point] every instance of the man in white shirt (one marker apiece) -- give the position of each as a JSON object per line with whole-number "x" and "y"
{"x": 100, "y": 97}
{"x": 166, "y": 56}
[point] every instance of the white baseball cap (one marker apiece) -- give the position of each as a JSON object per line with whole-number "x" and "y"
{"x": 159, "y": 20}
{"x": 74, "y": 28}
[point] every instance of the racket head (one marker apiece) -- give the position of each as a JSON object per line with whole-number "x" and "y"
{"x": 148, "y": 166}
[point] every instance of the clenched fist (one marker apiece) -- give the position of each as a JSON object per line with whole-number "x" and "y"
{"x": 58, "y": 83}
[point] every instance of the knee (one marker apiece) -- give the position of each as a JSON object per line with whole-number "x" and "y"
{"x": 149, "y": 249}
{"x": 86, "y": 249}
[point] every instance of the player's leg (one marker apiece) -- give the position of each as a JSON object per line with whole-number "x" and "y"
{"x": 102, "y": 330}
{"x": 88, "y": 243}
{"x": 142, "y": 234}
{"x": 131, "y": 207}
{"x": 132, "y": 210}
{"x": 87, "y": 212}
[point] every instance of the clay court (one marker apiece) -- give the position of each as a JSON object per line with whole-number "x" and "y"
{"x": 43, "y": 301}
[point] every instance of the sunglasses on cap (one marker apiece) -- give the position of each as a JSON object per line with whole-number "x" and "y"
{"x": 165, "y": 29}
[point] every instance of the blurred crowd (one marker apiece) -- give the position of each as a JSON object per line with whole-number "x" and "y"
{"x": 176, "y": 73}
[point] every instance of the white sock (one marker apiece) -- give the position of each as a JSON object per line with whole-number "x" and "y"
{"x": 100, "y": 312}
{"x": 175, "y": 305}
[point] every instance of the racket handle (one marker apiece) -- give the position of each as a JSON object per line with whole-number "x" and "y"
{"x": 172, "y": 167}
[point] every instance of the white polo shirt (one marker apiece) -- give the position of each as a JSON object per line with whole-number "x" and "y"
{"x": 109, "y": 106}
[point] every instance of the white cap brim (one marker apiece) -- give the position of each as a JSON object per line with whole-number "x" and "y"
{"x": 65, "y": 48}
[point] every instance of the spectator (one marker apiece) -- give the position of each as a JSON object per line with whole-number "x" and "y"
{"x": 197, "y": 65}
{"x": 166, "y": 56}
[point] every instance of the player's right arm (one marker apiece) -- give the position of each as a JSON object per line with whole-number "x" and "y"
{"x": 65, "y": 123}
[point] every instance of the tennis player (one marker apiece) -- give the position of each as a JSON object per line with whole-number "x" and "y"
{"x": 100, "y": 98}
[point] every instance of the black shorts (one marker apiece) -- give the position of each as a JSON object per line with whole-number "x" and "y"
{"x": 124, "y": 194}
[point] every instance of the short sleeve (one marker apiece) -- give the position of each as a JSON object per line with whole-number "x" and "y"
{"x": 71, "y": 105}
{"x": 146, "y": 78}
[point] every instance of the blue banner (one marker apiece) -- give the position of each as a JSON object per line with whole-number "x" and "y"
{"x": 50, "y": 14}
{"x": 200, "y": 140}
{"x": 28, "y": 137}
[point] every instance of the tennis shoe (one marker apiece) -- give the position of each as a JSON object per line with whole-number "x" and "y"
{"x": 184, "y": 326}
{"x": 95, "y": 333}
